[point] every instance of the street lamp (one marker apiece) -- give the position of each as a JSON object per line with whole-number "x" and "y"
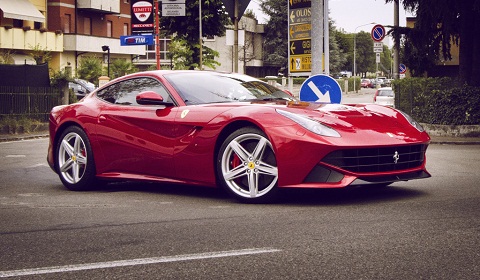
{"x": 107, "y": 48}
{"x": 355, "y": 52}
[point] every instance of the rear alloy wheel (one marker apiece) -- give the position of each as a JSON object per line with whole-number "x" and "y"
{"x": 247, "y": 167}
{"x": 75, "y": 164}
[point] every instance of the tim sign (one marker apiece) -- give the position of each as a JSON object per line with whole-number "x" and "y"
{"x": 142, "y": 16}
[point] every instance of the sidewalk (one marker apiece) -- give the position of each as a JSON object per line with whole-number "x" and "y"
{"x": 450, "y": 140}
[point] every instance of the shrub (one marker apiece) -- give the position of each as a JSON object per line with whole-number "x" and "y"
{"x": 438, "y": 100}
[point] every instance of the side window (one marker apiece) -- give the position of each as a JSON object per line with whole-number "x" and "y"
{"x": 109, "y": 94}
{"x": 132, "y": 87}
{"x": 125, "y": 92}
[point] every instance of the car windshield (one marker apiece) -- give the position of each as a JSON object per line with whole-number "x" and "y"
{"x": 204, "y": 88}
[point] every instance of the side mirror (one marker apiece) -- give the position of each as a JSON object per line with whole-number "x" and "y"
{"x": 151, "y": 98}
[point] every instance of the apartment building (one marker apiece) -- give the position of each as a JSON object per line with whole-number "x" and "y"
{"x": 69, "y": 29}
{"x": 72, "y": 29}
{"x": 23, "y": 27}
{"x": 250, "y": 50}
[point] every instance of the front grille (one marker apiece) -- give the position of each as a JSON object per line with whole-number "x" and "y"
{"x": 377, "y": 159}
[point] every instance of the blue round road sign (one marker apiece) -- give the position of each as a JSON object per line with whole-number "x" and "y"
{"x": 378, "y": 33}
{"x": 321, "y": 88}
{"x": 402, "y": 68}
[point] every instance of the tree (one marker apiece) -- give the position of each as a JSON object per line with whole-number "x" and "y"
{"x": 440, "y": 23}
{"x": 249, "y": 13}
{"x": 338, "y": 58}
{"x": 276, "y": 33}
{"x": 365, "y": 58}
{"x": 121, "y": 67}
{"x": 178, "y": 52}
{"x": 90, "y": 69}
{"x": 214, "y": 20}
{"x": 39, "y": 54}
{"x": 345, "y": 44}
{"x": 60, "y": 80}
{"x": 6, "y": 56}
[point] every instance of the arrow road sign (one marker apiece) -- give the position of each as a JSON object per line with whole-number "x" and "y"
{"x": 301, "y": 47}
{"x": 321, "y": 88}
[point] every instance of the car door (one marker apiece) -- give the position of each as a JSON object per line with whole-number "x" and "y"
{"x": 135, "y": 139}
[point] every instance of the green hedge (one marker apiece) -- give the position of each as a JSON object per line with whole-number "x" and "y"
{"x": 341, "y": 82}
{"x": 438, "y": 101}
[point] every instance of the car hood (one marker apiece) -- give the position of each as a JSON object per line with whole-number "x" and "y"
{"x": 343, "y": 114}
{"x": 370, "y": 122}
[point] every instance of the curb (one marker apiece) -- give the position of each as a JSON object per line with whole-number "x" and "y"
{"x": 21, "y": 137}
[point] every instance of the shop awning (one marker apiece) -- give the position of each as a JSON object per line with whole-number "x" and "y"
{"x": 21, "y": 9}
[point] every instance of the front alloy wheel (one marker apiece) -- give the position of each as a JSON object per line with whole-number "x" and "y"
{"x": 247, "y": 166}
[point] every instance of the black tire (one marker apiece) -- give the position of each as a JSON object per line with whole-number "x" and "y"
{"x": 247, "y": 166}
{"x": 74, "y": 160}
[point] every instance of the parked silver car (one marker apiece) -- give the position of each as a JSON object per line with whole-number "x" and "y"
{"x": 81, "y": 87}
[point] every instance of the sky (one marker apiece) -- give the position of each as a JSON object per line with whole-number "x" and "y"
{"x": 350, "y": 14}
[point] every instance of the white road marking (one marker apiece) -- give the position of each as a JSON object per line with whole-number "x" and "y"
{"x": 111, "y": 264}
{"x": 15, "y": 156}
{"x": 37, "y": 165}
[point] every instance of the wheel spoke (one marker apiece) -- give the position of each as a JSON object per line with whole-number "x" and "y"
{"x": 253, "y": 183}
{"x": 67, "y": 147}
{"x": 67, "y": 165}
{"x": 82, "y": 160}
{"x": 235, "y": 173}
{"x": 78, "y": 145}
{"x": 257, "y": 153}
{"x": 240, "y": 151}
{"x": 267, "y": 169}
{"x": 76, "y": 172}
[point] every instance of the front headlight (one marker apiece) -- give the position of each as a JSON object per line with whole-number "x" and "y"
{"x": 311, "y": 125}
{"x": 413, "y": 122}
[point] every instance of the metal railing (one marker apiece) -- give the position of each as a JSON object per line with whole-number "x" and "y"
{"x": 30, "y": 102}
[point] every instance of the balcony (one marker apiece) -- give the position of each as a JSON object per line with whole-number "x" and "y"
{"x": 24, "y": 39}
{"x": 85, "y": 43}
{"x": 100, "y": 6}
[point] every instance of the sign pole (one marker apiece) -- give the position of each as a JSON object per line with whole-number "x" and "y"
{"x": 317, "y": 37}
{"x": 157, "y": 38}
{"x": 200, "y": 34}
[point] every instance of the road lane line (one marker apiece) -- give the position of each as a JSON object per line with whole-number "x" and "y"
{"x": 132, "y": 262}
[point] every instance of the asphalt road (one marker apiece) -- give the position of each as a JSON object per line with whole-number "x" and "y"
{"x": 424, "y": 229}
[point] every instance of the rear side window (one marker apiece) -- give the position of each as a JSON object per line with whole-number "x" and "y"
{"x": 125, "y": 92}
{"x": 385, "y": 93}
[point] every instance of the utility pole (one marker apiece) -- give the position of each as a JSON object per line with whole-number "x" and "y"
{"x": 317, "y": 36}
{"x": 396, "y": 46}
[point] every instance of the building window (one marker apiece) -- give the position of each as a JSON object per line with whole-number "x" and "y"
{"x": 164, "y": 47}
{"x": 125, "y": 29}
{"x": 18, "y": 23}
{"x": 87, "y": 26}
{"x": 66, "y": 23}
{"x": 109, "y": 28}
